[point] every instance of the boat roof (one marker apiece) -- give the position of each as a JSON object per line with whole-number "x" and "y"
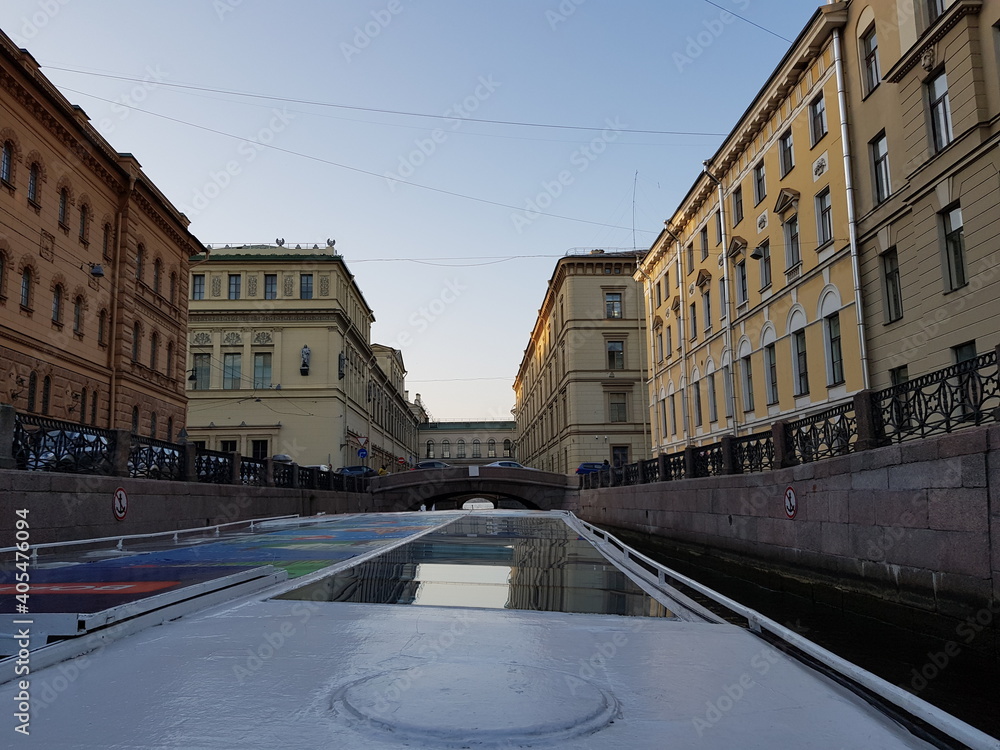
{"x": 426, "y": 630}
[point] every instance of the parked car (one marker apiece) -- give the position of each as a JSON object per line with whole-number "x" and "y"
{"x": 357, "y": 471}
{"x": 591, "y": 467}
{"x": 431, "y": 465}
{"x": 508, "y": 464}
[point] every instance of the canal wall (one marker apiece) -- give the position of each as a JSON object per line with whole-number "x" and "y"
{"x": 903, "y": 530}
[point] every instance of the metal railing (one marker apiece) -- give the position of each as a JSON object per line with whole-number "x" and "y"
{"x": 832, "y": 432}
{"x": 214, "y": 467}
{"x": 43, "y": 444}
{"x": 253, "y": 472}
{"x": 155, "y": 459}
{"x": 754, "y": 453}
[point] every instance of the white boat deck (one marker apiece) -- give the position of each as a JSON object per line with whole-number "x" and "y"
{"x": 259, "y": 672}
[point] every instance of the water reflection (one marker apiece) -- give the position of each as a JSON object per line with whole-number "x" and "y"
{"x": 492, "y": 562}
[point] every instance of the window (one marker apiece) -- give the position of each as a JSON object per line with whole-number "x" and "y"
{"x": 445, "y": 449}
{"x": 136, "y": 336}
{"x": 696, "y": 402}
{"x": 430, "y": 449}
{"x": 786, "y": 153}
{"x": 793, "y": 254}
{"x": 670, "y": 340}
{"x": 258, "y": 449}
{"x": 152, "y": 425}
{"x": 78, "y": 316}
{"x": 83, "y": 405}
{"x": 882, "y": 186}
{"x": 26, "y": 288}
{"x": 718, "y": 227}
{"x": 57, "y": 304}
{"x": 723, "y": 299}
{"x": 900, "y": 403}
{"x": 872, "y": 69}
{"x": 33, "y": 175}
{"x": 157, "y": 274}
{"x": 63, "y": 207}
{"x": 759, "y": 183}
{"x": 703, "y": 239}
{"x": 270, "y": 286}
{"x": 765, "y": 264}
{"x": 84, "y": 222}
{"x": 954, "y": 248}
{"x": 7, "y": 162}
{"x": 771, "y": 373}
{"x": 135, "y": 419}
{"x": 800, "y": 363}
{"x": 617, "y": 411}
{"x": 616, "y": 355}
{"x": 935, "y": 8}
{"x": 106, "y": 241}
{"x": 235, "y": 285}
{"x": 713, "y": 407}
{"x": 140, "y": 258}
{"x": 232, "y": 366}
{"x": 93, "y": 409}
{"x": 690, "y": 258}
{"x": 969, "y": 387}
{"x": 892, "y": 289}
{"x": 173, "y": 288}
{"x": 817, "y": 119}
{"x": 706, "y": 305}
{"x": 32, "y": 391}
{"x": 198, "y": 286}
{"x": 46, "y": 393}
{"x": 228, "y": 446}
{"x": 694, "y": 322}
{"x": 102, "y": 328}
{"x": 824, "y": 218}
{"x": 508, "y": 448}
{"x": 477, "y": 449}
{"x": 305, "y": 286}
{"x": 262, "y": 370}
{"x": 741, "y": 282}
{"x": 835, "y": 350}
{"x": 737, "y": 205}
{"x": 460, "y": 449}
{"x": 612, "y": 305}
{"x": 659, "y": 346}
{"x": 747, "y": 371}
{"x": 170, "y": 359}
{"x": 940, "y": 111}
{"x": 491, "y": 448}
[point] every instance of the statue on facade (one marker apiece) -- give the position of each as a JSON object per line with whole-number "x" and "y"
{"x": 306, "y": 353}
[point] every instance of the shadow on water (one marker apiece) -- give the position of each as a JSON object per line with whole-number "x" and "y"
{"x": 951, "y": 668}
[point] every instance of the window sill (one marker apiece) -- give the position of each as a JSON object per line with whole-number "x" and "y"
{"x": 870, "y": 91}
{"x": 57, "y": 324}
{"x": 765, "y": 287}
{"x": 84, "y": 241}
{"x": 836, "y": 384}
{"x": 10, "y": 187}
{"x": 819, "y": 140}
{"x": 894, "y": 320}
{"x": 64, "y": 227}
{"x": 946, "y": 292}
{"x": 825, "y": 245}
{"x": 34, "y": 205}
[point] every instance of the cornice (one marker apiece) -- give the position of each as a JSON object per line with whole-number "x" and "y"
{"x": 934, "y": 34}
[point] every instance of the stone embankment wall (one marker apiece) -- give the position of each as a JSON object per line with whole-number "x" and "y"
{"x": 914, "y": 525}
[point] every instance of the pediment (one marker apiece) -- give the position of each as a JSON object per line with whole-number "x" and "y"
{"x": 736, "y": 246}
{"x": 787, "y": 199}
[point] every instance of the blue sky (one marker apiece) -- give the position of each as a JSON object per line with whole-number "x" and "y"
{"x": 456, "y": 273}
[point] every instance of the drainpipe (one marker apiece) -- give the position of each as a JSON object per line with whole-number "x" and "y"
{"x": 681, "y": 329}
{"x": 118, "y": 265}
{"x": 845, "y": 138}
{"x": 730, "y": 317}
{"x": 650, "y": 381}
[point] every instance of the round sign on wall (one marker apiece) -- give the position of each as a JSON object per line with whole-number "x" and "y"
{"x": 400, "y": 460}
{"x": 791, "y": 503}
{"x": 362, "y": 453}
{"x": 120, "y": 504}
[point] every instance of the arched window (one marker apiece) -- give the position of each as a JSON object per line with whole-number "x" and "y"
{"x": 78, "y": 315}
{"x": 154, "y": 346}
{"x": 173, "y": 288}
{"x": 84, "y": 222}
{"x": 430, "y": 449}
{"x": 57, "y": 304}
{"x": 445, "y": 449}
{"x": 140, "y": 257}
{"x": 135, "y": 419}
{"x": 477, "y": 449}
{"x": 32, "y": 391}
{"x": 26, "y": 288}
{"x": 106, "y": 241}
{"x": 157, "y": 271}
{"x": 170, "y": 429}
{"x": 63, "y": 206}
{"x": 152, "y": 425}
{"x": 136, "y": 333}
{"x": 170, "y": 358}
{"x": 102, "y": 328}
{"x": 7, "y": 162}
{"x": 46, "y": 394}
{"x": 83, "y": 406}
{"x": 33, "y": 175}
{"x": 460, "y": 449}
{"x": 491, "y": 448}
{"x": 507, "y": 448}
{"x": 93, "y": 408}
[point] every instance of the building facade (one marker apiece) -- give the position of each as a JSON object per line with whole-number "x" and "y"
{"x": 282, "y": 362}
{"x": 93, "y": 268}
{"x": 580, "y": 390}
{"x": 468, "y": 443}
{"x": 924, "y": 91}
{"x": 750, "y": 286}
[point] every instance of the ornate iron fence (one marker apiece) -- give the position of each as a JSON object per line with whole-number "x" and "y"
{"x": 630, "y": 474}
{"x": 43, "y": 444}
{"x": 213, "y": 467}
{"x": 708, "y": 460}
{"x": 959, "y": 396}
{"x": 833, "y": 432}
{"x": 253, "y": 472}
{"x": 676, "y": 467}
{"x": 149, "y": 458}
{"x": 651, "y": 470}
{"x": 282, "y": 474}
{"x": 754, "y": 452}
{"x": 307, "y": 477}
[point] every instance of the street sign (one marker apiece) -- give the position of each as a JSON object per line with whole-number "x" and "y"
{"x": 362, "y": 440}
{"x": 362, "y": 453}
{"x": 120, "y": 504}
{"x": 400, "y": 460}
{"x": 791, "y": 503}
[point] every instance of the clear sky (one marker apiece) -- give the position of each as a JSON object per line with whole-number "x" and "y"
{"x": 455, "y": 274}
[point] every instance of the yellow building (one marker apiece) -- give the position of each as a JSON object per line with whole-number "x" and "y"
{"x": 281, "y": 362}
{"x": 93, "y": 268}
{"x": 751, "y": 285}
{"x": 579, "y": 390}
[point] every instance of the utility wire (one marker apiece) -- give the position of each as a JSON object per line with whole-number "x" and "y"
{"x": 747, "y": 20}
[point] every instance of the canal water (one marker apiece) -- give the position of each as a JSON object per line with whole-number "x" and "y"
{"x": 949, "y": 669}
